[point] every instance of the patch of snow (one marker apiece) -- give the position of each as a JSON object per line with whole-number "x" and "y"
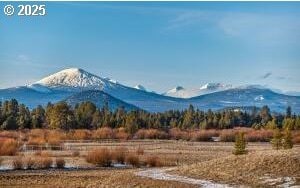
{"x": 6, "y": 167}
{"x": 140, "y": 87}
{"x": 283, "y": 182}
{"x": 259, "y": 98}
{"x": 229, "y": 102}
{"x": 160, "y": 174}
{"x": 181, "y": 92}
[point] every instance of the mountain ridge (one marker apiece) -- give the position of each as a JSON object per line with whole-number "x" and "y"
{"x": 69, "y": 82}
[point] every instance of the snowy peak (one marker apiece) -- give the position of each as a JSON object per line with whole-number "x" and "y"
{"x": 178, "y": 92}
{"x": 140, "y": 87}
{"x": 176, "y": 89}
{"x": 181, "y": 92}
{"x": 215, "y": 86}
{"x": 74, "y": 78}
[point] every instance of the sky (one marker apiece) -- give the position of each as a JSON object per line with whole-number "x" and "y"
{"x": 159, "y": 45}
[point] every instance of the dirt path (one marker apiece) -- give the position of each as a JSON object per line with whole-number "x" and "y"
{"x": 161, "y": 174}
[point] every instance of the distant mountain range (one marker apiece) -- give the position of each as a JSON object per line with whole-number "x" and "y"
{"x": 76, "y": 85}
{"x": 181, "y": 92}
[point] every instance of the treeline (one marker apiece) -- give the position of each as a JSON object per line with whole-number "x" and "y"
{"x": 86, "y": 115}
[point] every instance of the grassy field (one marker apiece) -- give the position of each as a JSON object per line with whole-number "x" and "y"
{"x": 214, "y": 161}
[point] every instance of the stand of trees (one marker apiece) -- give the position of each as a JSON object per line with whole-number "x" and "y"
{"x": 86, "y": 115}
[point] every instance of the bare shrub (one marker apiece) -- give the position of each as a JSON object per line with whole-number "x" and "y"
{"x": 28, "y": 163}
{"x": 121, "y": 134}
{"x": 37, "y": 137}
{"x": 38, "y": 153}
{"x": 37, "y": 142}
{"x": 296, "y": 137}
{"x": 80, "y": 134}
{"x": 203, "y": 135}
{"x": 119, "y": 154}
{"x": 1, "y": 160}
{"x": 259, "y": 135}
{"x": 103, "y": 133}
{"x": 140, "y": 151}
{"x": 60, "y": 162}
{"x": 153, "y": 161}
{"x": 150, "y": 134}
{"x": 43, "y": 162}
{"x": 8, "y": 147}
{"x": 54, "y": 139}
{"x": 76, "y": 153}
{"x": 99, "y": 157}
{"x": 17, "y": 163}
{"x": 9, "y": 134}
{"x": 227, "y": 135}
{"x": 42, "y": 153}
{"x": 133, "y": 160}
{"x": 178, "y": 134}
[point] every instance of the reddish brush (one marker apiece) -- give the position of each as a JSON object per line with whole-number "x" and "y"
{"x": 104, "y": 133}
{"x": 99, "y": 157}
{"x": 133, "y": 160}
{"x": 8, "y": 147}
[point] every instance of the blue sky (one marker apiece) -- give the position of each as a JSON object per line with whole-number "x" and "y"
{"x": 157, "y": 44}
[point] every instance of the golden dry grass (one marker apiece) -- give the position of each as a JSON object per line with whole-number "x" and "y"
{"x": 122, "y": 178}
{"x": 247, "y": 169}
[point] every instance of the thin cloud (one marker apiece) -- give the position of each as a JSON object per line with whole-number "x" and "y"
{"x": 265, "y": 28}
{"x": 267, "y": 75}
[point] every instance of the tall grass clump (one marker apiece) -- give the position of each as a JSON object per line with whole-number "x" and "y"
{"x": 133, "y": 159}
{"x": 60, "y": 162}
{"x": 8, "y": 147}
{"x": 43, "y": 162}
{"x": 29, "y": 163}
{"x": 119, "y": 154}
{"x": 17, "y": 163}
{"x": 153, "y": 161}
{"x": 140, "y": 151}
{"x": 100, "y": 157}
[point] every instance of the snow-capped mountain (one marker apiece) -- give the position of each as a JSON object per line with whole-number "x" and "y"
{"x": 75, "y": 79}
{"x": 76, "y": 85}
{"x": 65, "y": 83}
{"x": 249, "y": 96}
{"x": 140, "y": 87}
{"x": 181, "y": 92}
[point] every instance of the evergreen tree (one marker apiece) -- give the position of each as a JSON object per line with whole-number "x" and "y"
{"x": 265, "y": 115}
{"x": 287, "y": 139}
{"x": 277, "y": 139}
{"x": 60, "y": 116}
{"x": 84, "y": 114}
{"x": 288, "y": 112}
{"x": 240, "y": 144}
{"x": 38, "y": 117}
{"x": 97, "y": 121}
{"x": 23, "y": 118}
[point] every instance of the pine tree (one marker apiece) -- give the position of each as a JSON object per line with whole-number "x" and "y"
{"x": 288, "y": 112}
{"x": 240, "y": 144}
{"x": 287, "y": 142}
{"x": 277, "y": 139}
